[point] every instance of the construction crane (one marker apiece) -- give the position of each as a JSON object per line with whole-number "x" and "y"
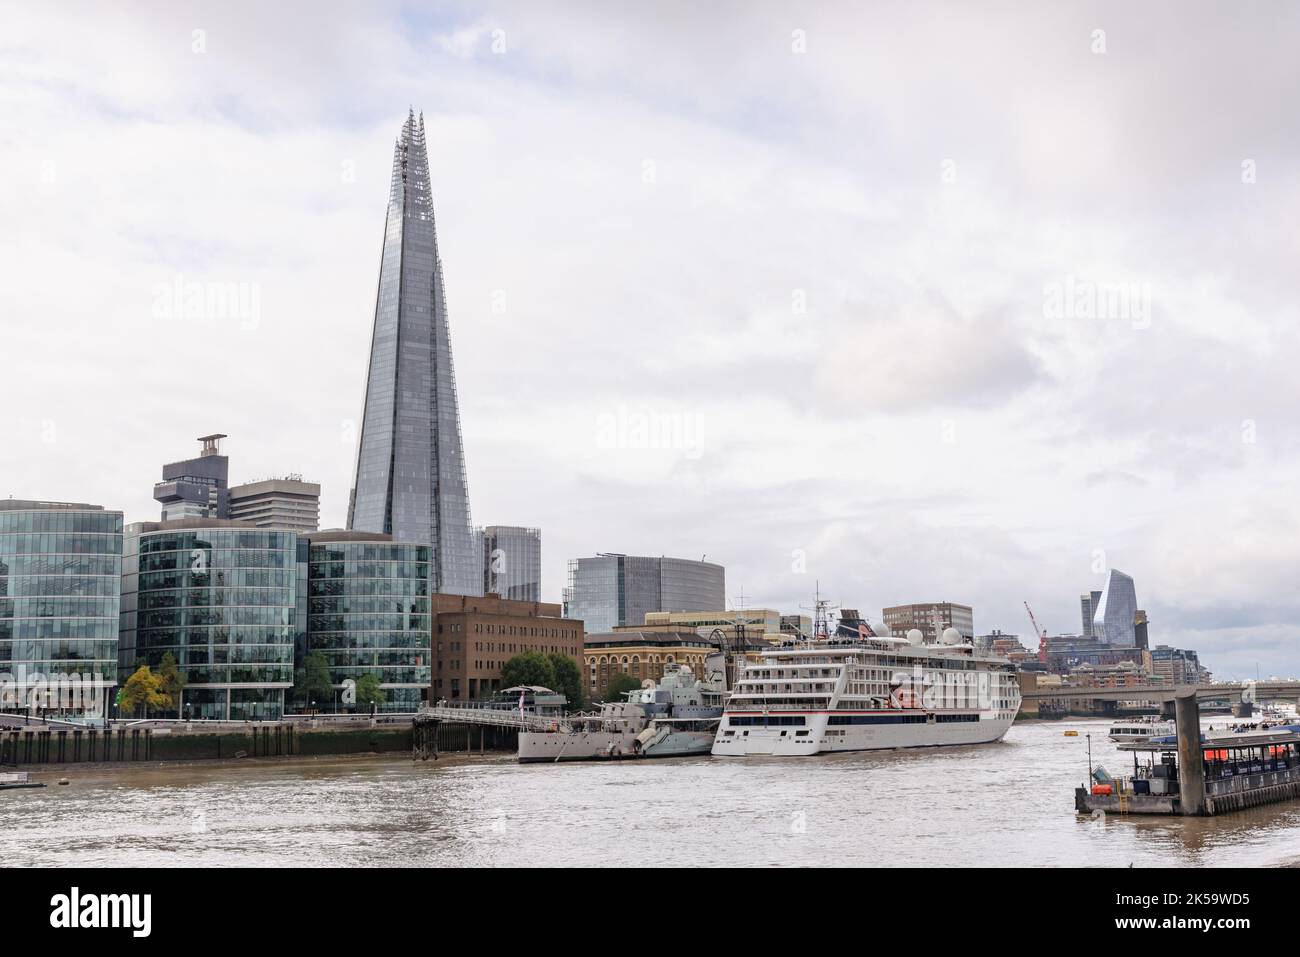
{"x": 1039, "y": 633}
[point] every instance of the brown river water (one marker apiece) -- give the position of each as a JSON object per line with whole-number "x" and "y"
{"x": 1010, "y": 803}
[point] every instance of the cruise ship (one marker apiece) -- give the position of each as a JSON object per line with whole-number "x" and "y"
{"x": 868, "y": 692}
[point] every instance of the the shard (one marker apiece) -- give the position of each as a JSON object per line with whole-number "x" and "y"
{"x": 410, "y": 476}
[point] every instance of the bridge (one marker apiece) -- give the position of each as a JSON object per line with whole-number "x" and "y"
{"x": 1248, "y": 692}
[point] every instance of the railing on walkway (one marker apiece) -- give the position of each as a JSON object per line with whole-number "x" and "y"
{"x": 469, "y": 713}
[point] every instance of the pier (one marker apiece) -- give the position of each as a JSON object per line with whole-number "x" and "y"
{"x": 1200, "y": 775}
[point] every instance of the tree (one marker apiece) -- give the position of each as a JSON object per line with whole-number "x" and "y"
{"x": 620, "y": 683}
{"x": 528, "y": 668}
{"x": 312, "y": 682}
{"x": 568, "y": 679}
{"x": 170, "y": 681}
{"x": 368, "y": 690}
{"x": 143, "y": 690}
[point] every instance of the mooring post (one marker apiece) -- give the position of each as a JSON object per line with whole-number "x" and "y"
{"x": 1191, "y": 764}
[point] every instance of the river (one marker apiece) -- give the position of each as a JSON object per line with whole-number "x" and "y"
{"x": 1010, "y": 803}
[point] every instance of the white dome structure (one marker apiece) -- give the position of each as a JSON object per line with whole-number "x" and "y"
{"x": 915, "y": 636}
{"x": 951, "y": 636}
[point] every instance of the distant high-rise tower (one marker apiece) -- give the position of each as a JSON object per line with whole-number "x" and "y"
{"x": 410, "y": 476}
{"x": 287, "y": 502}
{"x": 1088, "y": 602}
{"x": 196, "y": 488}
{"x": 1114, "y": 616}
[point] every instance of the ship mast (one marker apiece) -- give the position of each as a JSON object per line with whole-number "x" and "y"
{"x": 821, "y": 615}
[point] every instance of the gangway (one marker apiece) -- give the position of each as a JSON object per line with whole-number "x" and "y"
{"x": 492, "y": 717}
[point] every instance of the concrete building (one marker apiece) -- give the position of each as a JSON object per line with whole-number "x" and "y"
{"x": 756, "y": 624}
{"x": 512, "y": 562}
{"x": 1177, "y": 666}
{"x": 641, "y": 653}
{"x": 927, "y": 616}
{"x": 198, "y": 487}
{"x": 610, "y": 589}
{"x": 1065, "y": 652}
{"x": 288, "y": 503}
{"x": 475, "y": 636}
{"x": 410, "y": 472}
{"x": 60, "y": 568}
{"x": 1124, "y": 674}
{"x": 796, "y": 626}
{"x": 1006, "y": 646}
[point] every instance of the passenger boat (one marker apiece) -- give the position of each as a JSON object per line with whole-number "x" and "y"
{"x": 866, "y": 693}
{"x": 18, "y": 779}
{"x": 1141, "y": 729}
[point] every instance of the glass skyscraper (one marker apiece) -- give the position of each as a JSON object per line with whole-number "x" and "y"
{"x": 609, "y": 590}
{"x": 1114, "y": 616}
{"x": 60, "y": 567}
{"x": 410, "y": 476}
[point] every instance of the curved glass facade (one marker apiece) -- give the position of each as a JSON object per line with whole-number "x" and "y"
{"x": 223, "y": 601}
{"x": 59, "y": 571}
{"x": 368, "y": 611}
{"x": 609, "y": 589}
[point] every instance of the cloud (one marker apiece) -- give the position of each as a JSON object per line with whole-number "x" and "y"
{"x": 831, "y": 264}
{"x": 925, "y": 354}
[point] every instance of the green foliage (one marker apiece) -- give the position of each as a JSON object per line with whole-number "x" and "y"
{"x": 142, "y": 691}
{"x": 369, "y": 692}
{"x": 170, "y": 681}
{"x": 528, "y": 668}
{"x": 620, "y": 683}
{"x": 312, "y": 682}
{"x": 568, "y": 679}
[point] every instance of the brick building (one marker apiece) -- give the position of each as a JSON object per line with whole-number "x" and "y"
{"x": 641, "y": 653}
{"x": 474, "y": 636}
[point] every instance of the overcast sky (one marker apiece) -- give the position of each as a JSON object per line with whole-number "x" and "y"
{"x": 919, "y": 301}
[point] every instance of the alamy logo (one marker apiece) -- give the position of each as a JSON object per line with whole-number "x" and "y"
{"x": 102, "y": 910}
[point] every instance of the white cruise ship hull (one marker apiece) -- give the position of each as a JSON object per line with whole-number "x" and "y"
{"x": 881, "y": 732}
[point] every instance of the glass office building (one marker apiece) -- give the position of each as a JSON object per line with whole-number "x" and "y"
{"x": 368, "y": 611}
{"x": 512, "y": 562}
{"x": 608, "y": 590}
{"x": 222, "y": 597}
{"x": 60, "y": 564}
{"x": 410, "y": 475}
